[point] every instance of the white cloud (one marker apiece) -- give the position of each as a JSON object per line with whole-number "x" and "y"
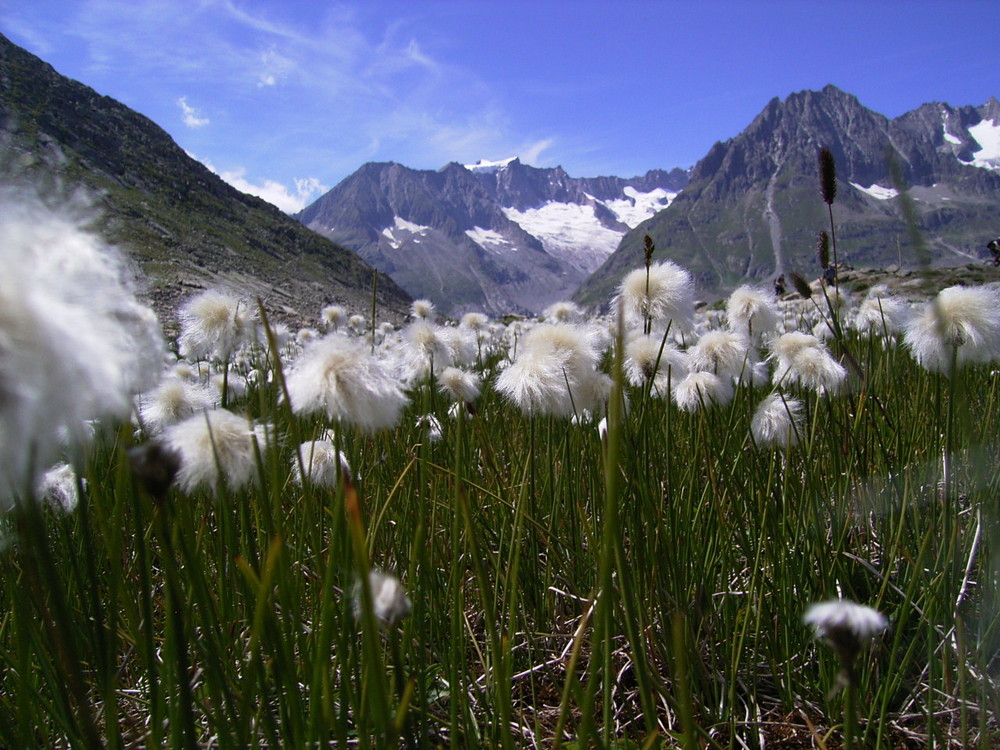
{"x": 192, "y": 118}
{"x": 289, "y": 200}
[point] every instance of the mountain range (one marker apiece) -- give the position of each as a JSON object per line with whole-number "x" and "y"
{"x": 499, "y": 237}
{"x": 184, "y": 228}
{"x": 753, "y": 208}
{"x": 505, "y": 236}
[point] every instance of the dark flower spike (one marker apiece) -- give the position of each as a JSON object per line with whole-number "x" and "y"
{"x": 823, "y": 249}
{"x": 649, "y": 248}
{"x": 827, "y": 175}
{"x": 802, "y": 286}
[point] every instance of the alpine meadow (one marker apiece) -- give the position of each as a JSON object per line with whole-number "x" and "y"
{"x": 771, "y": 522}
{"x": 490, "y": 456}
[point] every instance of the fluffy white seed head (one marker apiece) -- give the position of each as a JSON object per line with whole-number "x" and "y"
{"x": 459, "y": 385}
{"x": 702, "y": 390}
{"x": 216, "y": 447}
{"x": 172, "y": 401}
{"x": 724, "y": 353}
{"x": 333, "y": 317}
{"x": 752, "y": 312}
{"x": 665, "y": 295}
{"x": 321, "y": 462}
{"x": 777, "y": 422}
{"x": 423, "y": 309}
{"x": 338, "y": 377}
{"x": 390, "y": 604}
{"x": 213, "y": 325}
{"x": 75, "y": 344}
{"x": 846, "y": 625}
{"x": 562, "y": 312}
{"x": 961, "y": 322}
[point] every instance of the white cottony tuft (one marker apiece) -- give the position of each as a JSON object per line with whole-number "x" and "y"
{"x": 216, "y": 447}
{"x": 961, "y": 323}
{"x": 75, "y": 345}
{"x": 338, "y": 377}
{"x": 390, "y": 604}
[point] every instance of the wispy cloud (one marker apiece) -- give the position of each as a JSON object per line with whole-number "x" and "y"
{"x": 289, "y": 200}
{"x": 293, "y": 91}
{"x": 190, "y": 115}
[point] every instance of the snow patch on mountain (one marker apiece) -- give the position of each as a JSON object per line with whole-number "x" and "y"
{"x": 488, "y": 166}
{"x": 402, "y": 230}
{"x": 570, "y": 232}
{"x": 877, "y": 191}
{"x": 987, "y": 135}
{"x": 636, "y": 207}
{"x": 489, "y": 240}
{"x": 573, "y": 233}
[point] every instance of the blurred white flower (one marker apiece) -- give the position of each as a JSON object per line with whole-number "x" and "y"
{"x": 75, "y": 344}
{"x": 321, "y": 462}
{"x": 702, "y": 390}
{"x": 423, "y": 309}
{"x": 338, "y": 377}
{"x": 963, "y": 322}
{"x": 58, "y": 488}
{"x": 777, "y": 422}
{"x": 553, "y": 372}
{"x": 752, "y": 312}
{"x": 390, "y": 604}
{"x": 664, "y": 295}
{"x": 213, "y": 325}
{"x": 173, "y": 400}
{"x": 216, "y": 446}
{"x": 846, "y": 625}
{"x": 460, "y": 385}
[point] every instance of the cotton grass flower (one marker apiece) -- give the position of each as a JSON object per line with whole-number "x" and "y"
{"x": 777, "y": 422}
{"x": 662, "y": 294}
{"x": 881, "y": 314}
{"x": 332, "y": 317}
{"x": 321, "y": 462}
{"x": 803, "y": 360}
{"x": 336, "y": 376}
{"x": 390, "y": 604}
{"x": 214, "y": 448}
{"x": 75, "y": 344}
{"x": 423, "y": 309}
{"x": 425, "y": 351}
{"x": 172, "y": 401}
{"x": 59, "y": 489}
{"x": 724, "y": 353}
{"x": 702, "y": 390}
{"x": 962, "y": 324}
{"x": 562, "y": 312}
{"x": 459, "y": 385}
{"x": 552, "y": 371}
{"x": 213, "y": 325}
{"x": 649, "y": 357}
{"x": 752, "y": 312}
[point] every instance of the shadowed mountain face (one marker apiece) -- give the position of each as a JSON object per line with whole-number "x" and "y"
{"x": 753, "y": 207}
{"x": 184, "y": 227}
{"x": 500, "y": 238}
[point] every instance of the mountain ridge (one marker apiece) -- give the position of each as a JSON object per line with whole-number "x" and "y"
{"x": 181, "y": 224}
{"x": 752, "y": 207}
{"x": 504, "y": 237}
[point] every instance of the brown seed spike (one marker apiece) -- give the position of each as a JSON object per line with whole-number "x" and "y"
{"x": 649, "y": 248}
{"x": 827, "y": 176}
{"x": 823, "y": 249}
{"x": 802, "y": 286}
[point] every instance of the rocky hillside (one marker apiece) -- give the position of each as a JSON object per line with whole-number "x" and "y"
{"x": 753, "y": 208}
{"x": 184, "y": 227}
{"x": 499, "y": 237}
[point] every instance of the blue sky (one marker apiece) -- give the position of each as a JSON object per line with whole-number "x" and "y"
{"x": 285, "y": 98}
